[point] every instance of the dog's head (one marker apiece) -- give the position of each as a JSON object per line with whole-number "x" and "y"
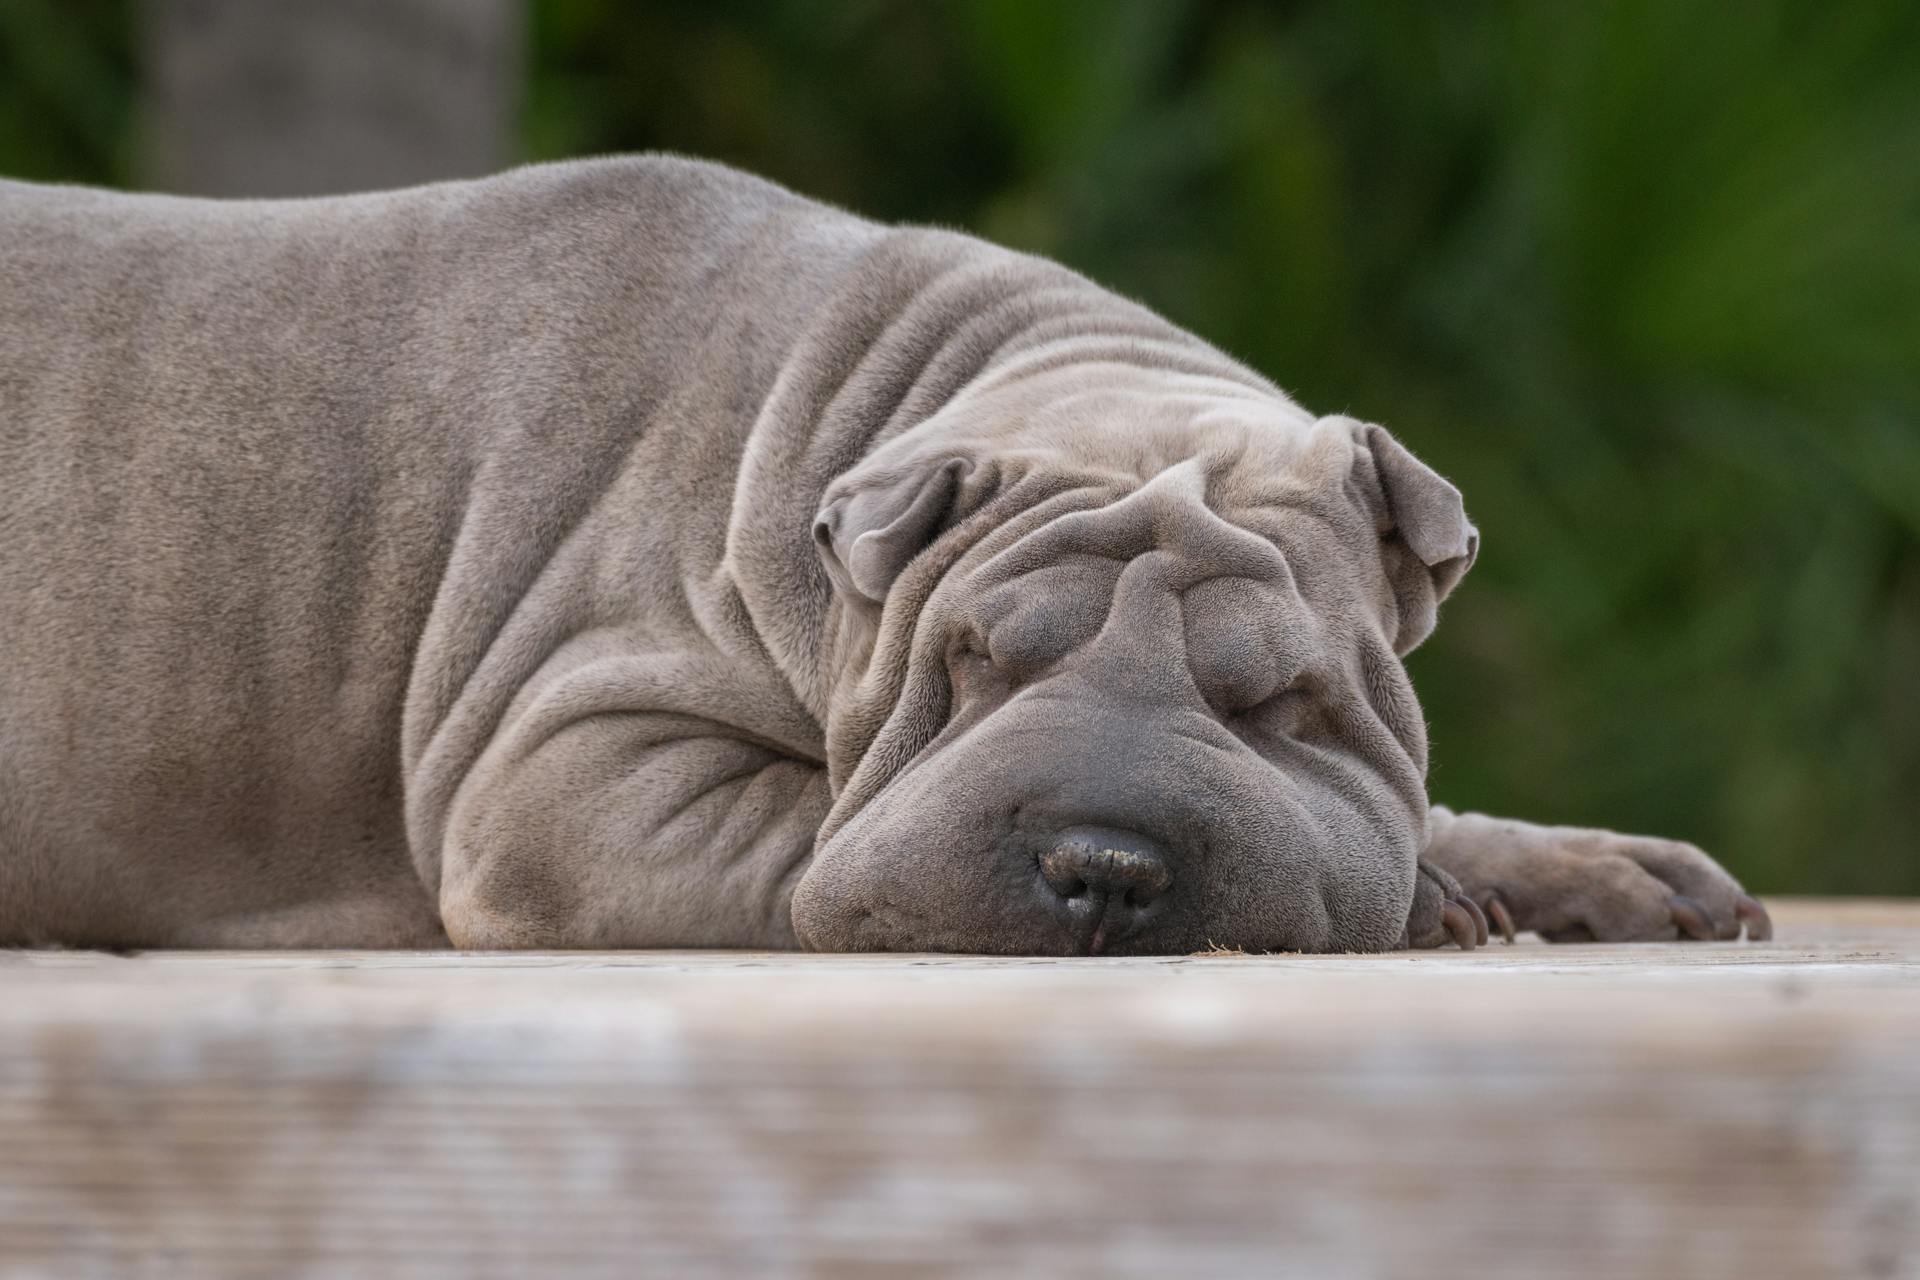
{"x": 1121, "y": 673}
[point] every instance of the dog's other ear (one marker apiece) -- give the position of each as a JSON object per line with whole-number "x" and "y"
{"x": 867, "y": 536}
{"x": 1426, "y": 540}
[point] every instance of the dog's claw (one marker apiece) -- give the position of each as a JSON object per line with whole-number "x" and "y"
{"x": 1759, "y": 923}
{"x": 1691, "y": 917}
{"x": 1496, "y": 911}
{"x": 1472, "y": 908}
{"x": 1459, "y": 925}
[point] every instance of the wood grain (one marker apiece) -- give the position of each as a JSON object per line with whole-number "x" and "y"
{"x": 1671, "y": 1110}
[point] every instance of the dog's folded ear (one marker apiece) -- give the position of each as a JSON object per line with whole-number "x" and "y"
{"x": 1426, "y": 540}
{"x": 869, "y": 534}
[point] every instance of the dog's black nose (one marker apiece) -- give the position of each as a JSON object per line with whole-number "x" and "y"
{"x": 1106, "y": 883}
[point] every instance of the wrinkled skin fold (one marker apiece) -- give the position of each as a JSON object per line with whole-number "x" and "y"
{"x": 633, "y": 553}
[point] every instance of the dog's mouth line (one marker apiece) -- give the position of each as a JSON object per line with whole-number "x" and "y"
{"x": 1108, "y": 919}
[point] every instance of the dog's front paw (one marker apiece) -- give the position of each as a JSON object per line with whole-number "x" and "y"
{"x": 1442, "y": 912}
{"x": 1572, "y": 884}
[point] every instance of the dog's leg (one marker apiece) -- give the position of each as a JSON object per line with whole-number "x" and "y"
{"x": 630, "y": 829}
{"x": 1575, "y": 884}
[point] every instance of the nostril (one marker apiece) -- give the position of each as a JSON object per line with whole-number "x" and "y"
{"x": 1060, "y": 866}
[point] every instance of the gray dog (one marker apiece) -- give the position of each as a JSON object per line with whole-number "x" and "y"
{"x": 633, "y": 553}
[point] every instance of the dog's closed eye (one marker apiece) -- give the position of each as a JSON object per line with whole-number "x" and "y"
{"x": 1286, "y": 712}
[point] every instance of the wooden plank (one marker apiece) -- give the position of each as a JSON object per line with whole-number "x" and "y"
{"x": 1675, "y": 1110}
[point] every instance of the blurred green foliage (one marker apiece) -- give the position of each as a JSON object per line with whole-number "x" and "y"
{"x": 67, "y": 87}
{"x": 1643, "y": 277}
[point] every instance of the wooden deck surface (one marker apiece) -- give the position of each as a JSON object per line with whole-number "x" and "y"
{"x": 1713, "y": 1109}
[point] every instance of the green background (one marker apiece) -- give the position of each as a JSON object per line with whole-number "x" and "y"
{"x": 1643, "y": 278}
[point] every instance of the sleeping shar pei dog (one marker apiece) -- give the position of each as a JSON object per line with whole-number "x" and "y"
{"x": 633, "y": 553}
